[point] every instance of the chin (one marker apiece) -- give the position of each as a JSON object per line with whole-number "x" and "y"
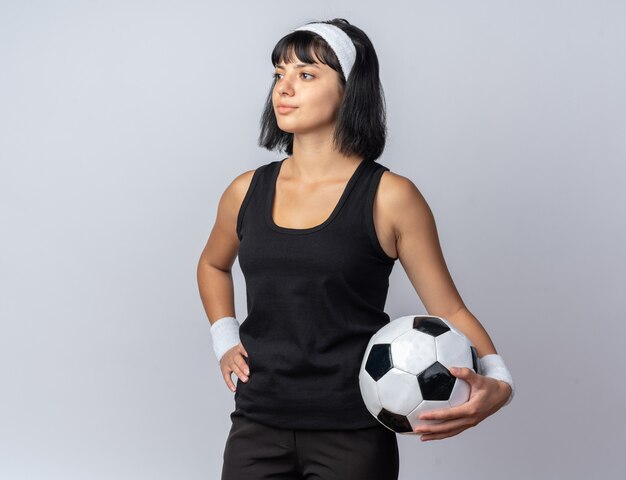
{"x": 290, "y": 127}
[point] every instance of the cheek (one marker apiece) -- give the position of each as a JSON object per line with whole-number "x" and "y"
{"x": 325, "y": 104}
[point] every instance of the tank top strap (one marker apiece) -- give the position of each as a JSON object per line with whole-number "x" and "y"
{"x": 358, "y": 212}
{"x": 364, "y": 187}
{"x": 252, "y": 206}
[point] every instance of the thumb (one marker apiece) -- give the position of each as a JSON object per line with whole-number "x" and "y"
{"x": 463, "y": 372}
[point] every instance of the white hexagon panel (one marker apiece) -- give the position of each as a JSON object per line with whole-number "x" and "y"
{"x": 413, "y": 351}
{"x": 398, "y": 391}
{"x": 369, "y": 392}
{"x": 425, "y": 406}
{"x": 453, "y": 350}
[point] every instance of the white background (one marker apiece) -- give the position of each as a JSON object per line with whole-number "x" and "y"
{"x": 121, "y": 124}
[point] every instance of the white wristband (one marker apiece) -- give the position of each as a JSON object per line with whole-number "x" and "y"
{"x": 225, "y": 333}
{"x": 493, "y": 366}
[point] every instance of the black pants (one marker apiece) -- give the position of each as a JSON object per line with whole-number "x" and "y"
{"x": 255, "y": 451}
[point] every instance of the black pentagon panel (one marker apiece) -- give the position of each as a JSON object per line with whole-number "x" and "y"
{"x": 431, "y": 325}
{"x": 475, "y": 361}
{"x": 398, "y": 423}
{"x": 436, "y": 382}
{"x": 379, "y": 361}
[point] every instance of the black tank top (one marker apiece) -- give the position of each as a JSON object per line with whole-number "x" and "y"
{"x": 315, "y": 296}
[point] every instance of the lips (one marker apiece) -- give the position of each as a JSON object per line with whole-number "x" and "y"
{"x": 285, "y": 108}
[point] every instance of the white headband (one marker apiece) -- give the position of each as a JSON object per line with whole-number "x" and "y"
{"x": 338, "y": 40}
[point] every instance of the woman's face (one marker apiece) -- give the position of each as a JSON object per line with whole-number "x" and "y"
{"x": 313, "y": 90}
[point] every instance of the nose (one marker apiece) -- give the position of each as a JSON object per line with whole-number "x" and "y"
{"x": 284, "y": 89}
{"x": 283, "y": 86}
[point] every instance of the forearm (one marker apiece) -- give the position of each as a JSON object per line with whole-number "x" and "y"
{"x": 216, "y": 291}
{"x": 492, "y": 365}
{"x": 469, "y": 325}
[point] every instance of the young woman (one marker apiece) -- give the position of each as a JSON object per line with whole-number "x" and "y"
{"x": 317, "y": 234}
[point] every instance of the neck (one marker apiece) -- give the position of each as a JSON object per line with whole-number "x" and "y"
{"x": 316, "y": 158}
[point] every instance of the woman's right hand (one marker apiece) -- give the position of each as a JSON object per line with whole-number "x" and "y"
{"x": 233, "y": 362}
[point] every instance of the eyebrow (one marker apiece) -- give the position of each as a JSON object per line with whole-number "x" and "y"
{"x": 298, "y": 65}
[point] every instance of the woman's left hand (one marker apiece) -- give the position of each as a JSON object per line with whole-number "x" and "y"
{"x": 487, "y": 396}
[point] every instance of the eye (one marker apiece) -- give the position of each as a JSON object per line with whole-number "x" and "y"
{"x": 276, "y": 76}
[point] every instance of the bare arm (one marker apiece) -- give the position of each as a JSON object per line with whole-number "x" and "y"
{"x": 215, "y": 281}
{"x": 420, "y": 254}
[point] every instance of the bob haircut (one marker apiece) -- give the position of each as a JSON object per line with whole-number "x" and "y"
{"x": 360, "y": 127}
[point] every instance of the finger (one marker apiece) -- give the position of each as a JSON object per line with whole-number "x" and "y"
{"x": 243, "y": 365}
{"x": 245, "y": 352}
{"x": 229, "y": 381}
{"x": 465, "y": 373}
{"x": 239, "y": 372}
{"x": 448, "y": 413}
{"x": 442, "y": 427}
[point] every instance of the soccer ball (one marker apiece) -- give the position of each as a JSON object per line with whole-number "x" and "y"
{"x": 404, "y": 371}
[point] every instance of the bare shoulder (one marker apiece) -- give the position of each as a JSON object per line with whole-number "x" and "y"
{"x": 229, "y": 205}
{"x": 397, "y": 188}
{"x": 400, "y": 201}
{"x": 240, "y": 185}
{"x": 222, "y": 246}
{"x": 233, "y": 196}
